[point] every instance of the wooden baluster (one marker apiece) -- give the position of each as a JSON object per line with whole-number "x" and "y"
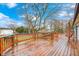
{"x": 0, "y": 47}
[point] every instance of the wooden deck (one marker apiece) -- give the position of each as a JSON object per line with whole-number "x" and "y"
{"x": 42, "y": 47}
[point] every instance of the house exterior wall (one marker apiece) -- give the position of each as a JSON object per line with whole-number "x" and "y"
{"x": 78, "y": 33}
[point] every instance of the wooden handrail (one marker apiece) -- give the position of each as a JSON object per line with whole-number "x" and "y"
{"x": 11, "y": 42}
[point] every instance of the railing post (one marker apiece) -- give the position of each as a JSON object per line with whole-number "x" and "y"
{"x": 12, "y": 38}
{"x": 51, "y": 38}
{"x": 0, "y": 46}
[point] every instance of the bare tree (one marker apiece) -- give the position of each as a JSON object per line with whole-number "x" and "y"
{"x": 41, "y": 12}
{"x": 12, "y": 25}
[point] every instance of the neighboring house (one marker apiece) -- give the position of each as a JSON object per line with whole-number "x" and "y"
{"x": 6, "y": 31}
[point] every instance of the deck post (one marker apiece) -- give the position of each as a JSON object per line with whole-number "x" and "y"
{"x": 0, "y": 46}
{"x": 51, "y": 37}
{"x": 12, "y": 38}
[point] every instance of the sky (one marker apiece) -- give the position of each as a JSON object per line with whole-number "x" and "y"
{"x": 11, "y": 13}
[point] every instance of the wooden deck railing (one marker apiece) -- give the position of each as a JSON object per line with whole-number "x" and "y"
{"x": 5, "y": 42}
{"x": 12, "y": 41}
